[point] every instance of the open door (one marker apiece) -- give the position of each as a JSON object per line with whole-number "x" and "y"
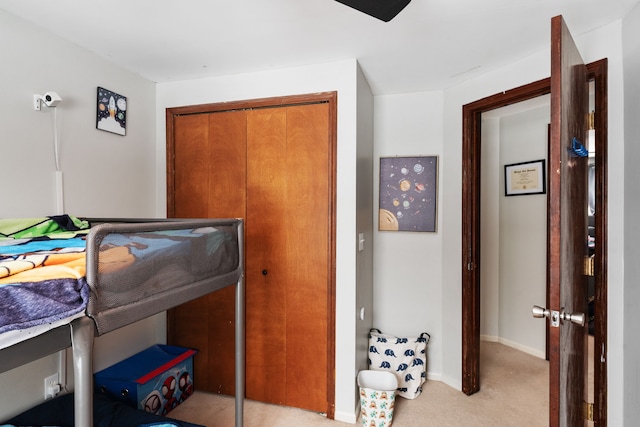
{"x": 568, "y": 233}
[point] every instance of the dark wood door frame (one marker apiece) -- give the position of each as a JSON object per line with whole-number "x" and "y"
{"x": 471, "y": 168}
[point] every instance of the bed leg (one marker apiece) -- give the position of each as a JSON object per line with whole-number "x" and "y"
{"x": 82, "y": 334}
{"x": 240, "y": 356}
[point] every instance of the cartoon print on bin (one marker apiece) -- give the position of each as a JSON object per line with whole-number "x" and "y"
{"x": 153, "y": 402}
{"x": 168, "y": 389}
{"x": 185, "y": 385}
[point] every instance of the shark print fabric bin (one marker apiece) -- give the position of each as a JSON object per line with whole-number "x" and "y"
{"x": 406, "y": 358}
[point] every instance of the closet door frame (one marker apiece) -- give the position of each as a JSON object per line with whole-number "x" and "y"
{"x": 322, "y": 97}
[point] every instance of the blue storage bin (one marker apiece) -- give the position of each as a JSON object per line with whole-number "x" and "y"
{"x": 156, "y": 380}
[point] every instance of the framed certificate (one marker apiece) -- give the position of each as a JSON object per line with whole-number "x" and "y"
{"x": 525, "y": 178}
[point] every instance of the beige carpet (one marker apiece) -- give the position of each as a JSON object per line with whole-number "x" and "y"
{"x": 514, "y": 392}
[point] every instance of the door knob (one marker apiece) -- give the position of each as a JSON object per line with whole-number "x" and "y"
{"x": 552, "y": 315}
{"x": 264, "y": 272}
{"x": 558, "y": 317}
{"x": 539, "y": 312}
{"x": 577, "y": 318}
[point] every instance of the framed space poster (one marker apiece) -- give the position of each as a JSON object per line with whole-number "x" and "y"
{"x": 111, "y": 114}
{"x": 408, "y": 193}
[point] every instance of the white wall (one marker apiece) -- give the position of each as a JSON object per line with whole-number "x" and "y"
{"x": 631, "y": 294}
{"x": 364, "y": 225}
{"x": 408, "y": 265}
{"x": 354, "y": 142}
{"x": 98, "y": 167}
{"x": 605, "y": 42}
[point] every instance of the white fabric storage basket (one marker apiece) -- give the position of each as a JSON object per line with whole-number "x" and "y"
{"x": 406, "y": 358}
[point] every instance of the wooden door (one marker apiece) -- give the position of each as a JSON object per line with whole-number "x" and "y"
{"x": 287, "y": 265}
{"x": 208, "y": 168}
{"x": 275, "y": 167}
{"x": 471, "y": 237}
{"x": 567, "y": 228}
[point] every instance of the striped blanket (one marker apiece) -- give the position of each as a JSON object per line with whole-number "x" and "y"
{"x": 42, "y": 270}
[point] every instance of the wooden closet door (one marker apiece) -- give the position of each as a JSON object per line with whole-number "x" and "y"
{"x": 308, "y": 243}
{"x": 271, "y": 166}
{"x": 287, "y": 253}
{"x": 210, "y": 182}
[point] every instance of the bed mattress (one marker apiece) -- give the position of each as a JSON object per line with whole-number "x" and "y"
{"x": 46, "y": 281}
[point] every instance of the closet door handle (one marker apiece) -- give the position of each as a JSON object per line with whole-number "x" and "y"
{"x": 264, "y": 272}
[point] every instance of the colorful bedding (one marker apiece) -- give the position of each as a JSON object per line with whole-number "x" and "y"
{"x": 44, "y": 277}
{"x": 42, "y": 269}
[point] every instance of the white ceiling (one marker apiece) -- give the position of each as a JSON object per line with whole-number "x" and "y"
{"x": 430, "y": 45}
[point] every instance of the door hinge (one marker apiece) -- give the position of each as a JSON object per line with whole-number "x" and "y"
{"x": 589, "y": 264}
{"x": 591, "y": 120}
{"x": 588, "y": 409}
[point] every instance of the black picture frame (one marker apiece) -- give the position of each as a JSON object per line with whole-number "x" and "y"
{"x": 525, "y": 178}
{"x": 408, "y": 194}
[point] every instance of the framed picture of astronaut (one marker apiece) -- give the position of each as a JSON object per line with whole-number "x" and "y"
{"x": 408, "y": 193}
{"x": 111, "y": 114}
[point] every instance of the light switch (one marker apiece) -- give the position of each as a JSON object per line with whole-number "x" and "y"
{"x": 361, "y": 242}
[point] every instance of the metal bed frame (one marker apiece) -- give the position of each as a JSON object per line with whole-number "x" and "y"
{"x": 79, "y": 334}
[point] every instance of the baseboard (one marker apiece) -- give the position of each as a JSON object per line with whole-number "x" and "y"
{"x": 346, "y": 417}
{"x": 517, "y": 346}
{"x": 434, "y": 377}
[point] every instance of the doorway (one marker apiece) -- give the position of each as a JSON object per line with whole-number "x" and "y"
{"x": 514, "y": 227}
{"x": 471, "y": 238}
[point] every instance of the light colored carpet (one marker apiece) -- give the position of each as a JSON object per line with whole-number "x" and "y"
{"x": 514, "y": 392}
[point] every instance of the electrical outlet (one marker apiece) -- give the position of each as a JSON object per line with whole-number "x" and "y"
{"x": 51, "y": 386}
{"x": 36, "y": 102}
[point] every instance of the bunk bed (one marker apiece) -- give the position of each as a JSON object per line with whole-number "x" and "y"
{"x": 133, "y": 268}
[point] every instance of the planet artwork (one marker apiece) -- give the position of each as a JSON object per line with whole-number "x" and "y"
{"x": 111, "y": 112}
{"x": 408, "y": 193}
